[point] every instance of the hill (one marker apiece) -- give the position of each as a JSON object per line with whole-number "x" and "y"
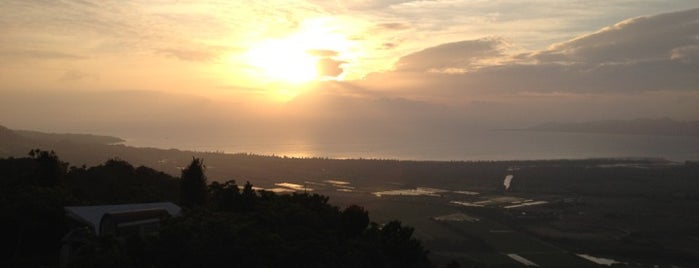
{"x": 631, "y": 210}
{"x": 229, "y": 227}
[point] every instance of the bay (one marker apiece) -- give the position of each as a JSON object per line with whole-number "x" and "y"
{"x": 471, "y": 145}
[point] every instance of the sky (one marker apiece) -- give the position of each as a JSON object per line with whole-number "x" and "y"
{"x": 138, "y": 68}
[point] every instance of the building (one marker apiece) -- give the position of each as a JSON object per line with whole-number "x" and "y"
{"x": 119, "y": 221}
{"x": 114, "y": 220}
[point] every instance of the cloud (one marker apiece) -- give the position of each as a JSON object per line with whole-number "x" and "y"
{"x": 637, "y": 39}
{"x": 323, "y": 53}
{"x": 75, "y": 75}
{"x": 116, "y": 112}
{"x": 326, "y": 64}
{"x": 688, "y": 54}
{"x": 40, "y": 55}
{"x": 393, "y": 26}
{"x": 461, "y": 54}
{"x": 389, "y": 45}
{"x": 619, "y": 72}
{"x": 651, "y": 53}
{"x": 360, "y": 5}
{"x": 644, "y": 66}
{"x": 329, "y": 68}
{"x": 189, "y": 55}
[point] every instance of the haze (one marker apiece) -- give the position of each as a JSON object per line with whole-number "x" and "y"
{"x": 198, "y": 69}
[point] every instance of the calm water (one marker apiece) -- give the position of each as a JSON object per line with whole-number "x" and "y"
{"x": 476, "y": 145}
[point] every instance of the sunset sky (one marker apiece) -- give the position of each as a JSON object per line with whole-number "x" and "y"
{"x": 121, "y": 67}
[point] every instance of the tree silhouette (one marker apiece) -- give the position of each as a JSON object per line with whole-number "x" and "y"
{"x": 399, "y": 244}
{"x": 248, "y": 197}
{"x": 224, "y": 196}
{"x": 354, "y": 220}
{"x": 50, "y": 170}
{"x": 193, "y": 191}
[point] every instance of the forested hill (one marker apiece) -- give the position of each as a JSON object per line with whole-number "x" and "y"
{"x": 221, "y": 226}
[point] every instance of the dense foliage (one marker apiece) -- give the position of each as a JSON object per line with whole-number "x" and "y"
{"x": 228, "y": 227}
{"x": 268, "y": 230}
{"x": 193, "y": 184}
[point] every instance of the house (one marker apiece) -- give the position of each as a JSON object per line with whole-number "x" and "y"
{"x": 120, "y": 221}
{"x": 114, "y": 220}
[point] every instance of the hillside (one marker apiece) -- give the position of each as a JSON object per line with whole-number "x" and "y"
{"x": 228, "y": 227}
{"x": 632, "y": 210}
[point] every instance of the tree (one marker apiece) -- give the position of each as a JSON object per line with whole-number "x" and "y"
{"x": 453, "y": 264}
{"x": 354, "y": 220}
{"x": 193, "y": 191}
{"x": 224, "y": 196}
{"x": 50, "y": 170}
{"x": 248, "y": 197}
{"x": 403, "y": 249}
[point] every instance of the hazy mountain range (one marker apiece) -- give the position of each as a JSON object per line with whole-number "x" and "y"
{"x": 91, "y": 150}
{"x": 662, "y": 126}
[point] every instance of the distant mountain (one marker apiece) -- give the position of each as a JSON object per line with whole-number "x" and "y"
{"x": 79, "y": 138}
{"x": 11, "y": 142}
{"x": 664, "y": 126}
{"x": 19, "y": 142}
{"x": 7, "y": 134}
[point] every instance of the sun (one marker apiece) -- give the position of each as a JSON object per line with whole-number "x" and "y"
{"x": 301, "y": 56}
{"x": 283, "y": 61}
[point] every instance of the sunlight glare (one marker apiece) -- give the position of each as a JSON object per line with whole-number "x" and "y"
{"x": 294, "y": 59}
{"x": 283, "y": 60}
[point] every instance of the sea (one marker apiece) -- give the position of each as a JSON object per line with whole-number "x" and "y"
{"x": 467, "y": 146}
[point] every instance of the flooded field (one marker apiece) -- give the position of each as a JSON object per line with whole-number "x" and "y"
{"x": 506, "y": 202}
{"x": 544, "y": 218}
{"x": 419, "y": 191}
{"x": 598, "y": 260}
{"x": 522, "y": 260}
{"x": 526, "y": 204}
{"x": 294, "y": 186}
{"x": 310, "y": 186}
{"x": 456, "y": 217}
